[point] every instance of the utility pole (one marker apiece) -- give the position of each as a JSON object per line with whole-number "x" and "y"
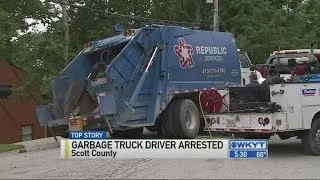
{"x": 66, "y": 29}
{"x": 216, "y": 15}
{"x": 215, "y": 4}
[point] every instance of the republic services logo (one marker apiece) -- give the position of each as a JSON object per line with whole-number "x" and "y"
{"x": 184, "y": 51}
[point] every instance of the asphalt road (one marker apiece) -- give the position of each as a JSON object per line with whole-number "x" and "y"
{"x": 286, "y": 160}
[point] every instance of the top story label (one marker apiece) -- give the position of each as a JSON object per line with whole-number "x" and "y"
{"x": 88, "y": 135}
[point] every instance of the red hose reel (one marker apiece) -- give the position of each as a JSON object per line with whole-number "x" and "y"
{"x": 211, "y": 101}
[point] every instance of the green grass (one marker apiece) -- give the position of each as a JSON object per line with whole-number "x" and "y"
{"x": 10, "y": 147}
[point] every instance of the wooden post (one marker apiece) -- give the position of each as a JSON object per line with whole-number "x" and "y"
{"x": 216, "y": 15}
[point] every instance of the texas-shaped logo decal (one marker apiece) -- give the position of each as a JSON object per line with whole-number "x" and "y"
{"x": 184, "y": 51}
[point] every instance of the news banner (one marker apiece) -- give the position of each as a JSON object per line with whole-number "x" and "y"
{"x": 95, "y": 144}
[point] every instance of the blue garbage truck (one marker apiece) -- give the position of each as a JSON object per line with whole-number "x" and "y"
{"x": 144, "y": 78}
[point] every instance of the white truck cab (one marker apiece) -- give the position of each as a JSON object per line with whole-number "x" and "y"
{"x": 245, "y": 63}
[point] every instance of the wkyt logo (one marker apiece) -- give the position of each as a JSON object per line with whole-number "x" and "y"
{"x": 248, "y": 144}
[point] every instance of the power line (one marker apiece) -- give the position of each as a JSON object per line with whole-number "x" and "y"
{"x": 125, "y": 15}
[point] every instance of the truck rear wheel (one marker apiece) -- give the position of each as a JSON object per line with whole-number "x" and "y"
{"x": 151, "y": 128}
{"x": 168, "y": 128}
{"x": 185, "y": 119}
{"x": 311, "y": 141}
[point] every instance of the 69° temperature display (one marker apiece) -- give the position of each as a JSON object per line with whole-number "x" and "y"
{"x": 248, "y": 154}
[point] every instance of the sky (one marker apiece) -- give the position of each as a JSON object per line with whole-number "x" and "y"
{"x": 39, "y": 27}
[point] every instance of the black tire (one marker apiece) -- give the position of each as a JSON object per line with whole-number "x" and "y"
{"x": 156, "y": 126}
{"x": 167, "y": 123}
{"x": 160, "y": 132}
{"x": 65, "y": 135}
{"x": 201, "y": 127}
{"x": 151, "y": 128}
{"x": 311, "y": 140}
{"x": 128, "y": 134}
{"x": 185, "y": 119}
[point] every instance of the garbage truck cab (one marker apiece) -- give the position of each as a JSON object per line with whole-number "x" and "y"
{"x": 149, "y": 77}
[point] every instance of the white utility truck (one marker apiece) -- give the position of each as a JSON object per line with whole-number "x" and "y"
{"x": 286, "y": 109}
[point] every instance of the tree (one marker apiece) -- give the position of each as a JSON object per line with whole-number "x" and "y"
{"x": 259, "y": 27}
{"x": 41, "y": 56}
{"x": 12, "y": 21}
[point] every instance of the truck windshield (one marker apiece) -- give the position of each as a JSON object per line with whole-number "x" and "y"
{"x": 287, "y": 59}
{"x": 244, "y": 60}
{"x": 281, "y": 60}
{"x": 284, "y": 60}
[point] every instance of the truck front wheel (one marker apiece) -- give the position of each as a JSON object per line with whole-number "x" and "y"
{"x": 185, "y": 118}
{"x": 311, "y": 140}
